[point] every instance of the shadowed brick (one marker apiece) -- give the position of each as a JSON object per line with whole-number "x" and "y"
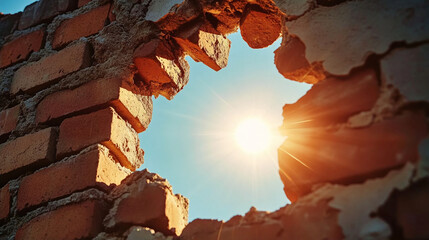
{"x": 72, "y": 29}
{"x": 105, "y": 127}
{"x": 8, "y": 24}
{"x": 35, "y": 148}
{"x": 20, "y": 49}
{"x": 9, "y": 119}
{"x": 91, "y": 169}
{"x": 76, "y": 221}
{"x": 37, "y": 75}
{"x": 4, "y": 202}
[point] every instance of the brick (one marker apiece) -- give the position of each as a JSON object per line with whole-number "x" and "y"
{"x": 162, "y": 67}
{"x": 209, "y": 48}
{"x": 20, "y": 49}
{"x": 412, "y": 211}
{"x": 291, "y": 62}
{"x": 71, "y": 29}
{"x": 333, "y": 101}
{"x": 145, "y": 199}
{"x": 44, "y": 10}
{"x": 81, "y": 3}
{"x": 135, "y": 108}
{"x": 91, "y": 169}
{"x": 260, "y": 29}
{"x": 4, "y": 202}
{"x": 37, "y": 75}
{"x": 8, "y": 24}
{"x": 105, "y": 127}
{"x": 76, "y": 221}
{"x": 9, "y": 119}
{"x": 32, "y": 149}
{"x": 349, "y": 155}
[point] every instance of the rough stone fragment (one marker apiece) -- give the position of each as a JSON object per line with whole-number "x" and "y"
{"x": 179, "y": 15}
{"x": 147, "y": 200}
{"x": 142, "y": 233}
{"x": 332, "y": 101}
{"x": 160, "y": 8}
{"x": 329, "y": 38}
{"x": 75, "y": 221}
{"x": 32, "y": 149}
{"x": 200, "y": 229}
{"x": 314, "y": 156}
{"x": 71, "y": 29}
{"x": 407, "y": 69}
{"x": 133, "y": 107}
{"x": 291, "y": 62}
{"x": 37, "y": 75}
{"x": 90, "y": 169}
{"x": 162, "y": 67}
{"x": 209, "y": 48}
{"x": 294, "y": 8}
{"x": 8, "y": 24}
{"x": 105, "y": 127}
{"x": 4, "y": 202}
{"x": 224, "y": 15}
{"x": 412, "y": 211}
{"x": 260, "y": 29}
{"x": 44, "y": 10}
{"x": 20, "y": 49}
{"x": 9, "y": 119}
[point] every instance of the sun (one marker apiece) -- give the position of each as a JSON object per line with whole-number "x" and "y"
{"x": 253, "y": 135}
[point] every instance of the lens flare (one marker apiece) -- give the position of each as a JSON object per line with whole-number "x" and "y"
{"x": 253, "y": 136}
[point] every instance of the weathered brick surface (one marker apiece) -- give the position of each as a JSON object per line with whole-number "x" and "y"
{"x": 44, "y": 10}
{"x": 147, "y": 200}
{"x": 259, "y": 29}
{"x": 135, "y": 108}
{"x": 318, "y": 156}
{"x": 105, "y": 127}
{"x": 20, "y": 49}
{"x": 81, "y": 26}
{"x": 76, "y": 221}
{"x": 8, "y": 24}
{"x": 4, "y": 202}
{"x": 209, "y": 48}
{"x": 37, "y": 75}
{"x": 36, "y": 148}
{"x": 332, "y": 101}
{"x": 91, "y": 169}
{"x": 9, "y": 119}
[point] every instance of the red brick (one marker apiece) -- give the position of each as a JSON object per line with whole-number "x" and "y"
{"x": 412, "y": 211}
{"x": 105, "y": 127}
{"x": 20, "y": 49}
{"x": 82, "y": 3}
{"x": 291, "y": 62}
{"x": 259, "y": 29}
{"x": 9, "y": 119}
{"x": 91, "y": 169}
{"x": 349, "y": 155}
{"x": 332, "y": 101}
{"x": 44, "y": 10}
{"x": 4, "y": 202}
{"x": 76, "y": 221}
{"x": 46, "y": 71}
{"x": 72, "y": 29}
{"x": 36, "y": 148}
{"x": 136, "y": 109}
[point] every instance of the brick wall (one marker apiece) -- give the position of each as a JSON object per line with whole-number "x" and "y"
{"x": 76, "y": 86}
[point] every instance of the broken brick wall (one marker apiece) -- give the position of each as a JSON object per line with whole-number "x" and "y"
{"x": 76, "y": 86}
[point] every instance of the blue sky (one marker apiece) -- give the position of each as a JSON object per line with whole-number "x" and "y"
{"x": 190, "y": 139}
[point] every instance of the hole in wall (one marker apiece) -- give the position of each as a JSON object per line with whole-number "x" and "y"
{"x": 191, "y": 142}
